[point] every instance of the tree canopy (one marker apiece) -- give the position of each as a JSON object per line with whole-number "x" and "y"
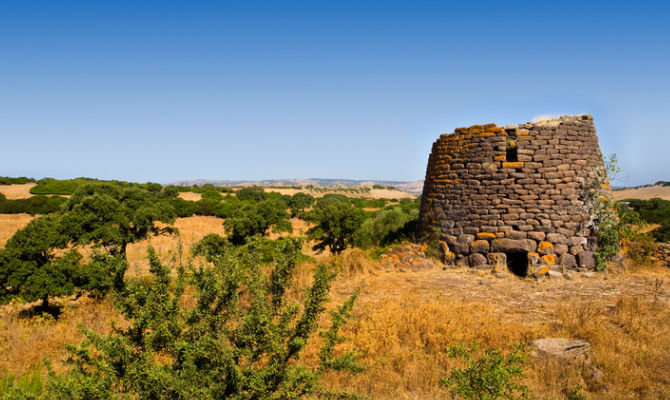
{"x": 336, "y": 223}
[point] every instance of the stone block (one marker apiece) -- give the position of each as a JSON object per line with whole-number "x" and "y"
{"x": 506, "y": 245}
{"x": 479, "y": 246}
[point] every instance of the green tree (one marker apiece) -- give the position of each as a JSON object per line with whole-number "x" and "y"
{"x": 211, "y": 246}
{"x": 251, "y": 193}
{"x": 336, "y": 223}
{"x": 242, "y": 339}
{"x": 30, "y": 269}
{"x": 299, "y": 202}
{"x": 385, "y": 227}
{"x": 113, "y": 216}
{"x": 253, "y": 218}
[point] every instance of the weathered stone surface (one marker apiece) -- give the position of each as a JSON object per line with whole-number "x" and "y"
{"x": 569, "y": 261}
{"x": 561, "y": 348}
{"x": 511, "y": 245}
{"x": 477, "y": 259}
{"x": 540, "y": 271}
{"x": 518, "y": 186}
{"x": 479, "y": 246}
{"x": 586, "y": 260}
{"x": 536, "y": 236}
{"x": 497, "y": 259}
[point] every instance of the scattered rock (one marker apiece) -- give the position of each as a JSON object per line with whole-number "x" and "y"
{"x": 500, "y": 275}
{"x": 540, "y": 271}
{"x": 560, "y": 347}
{"x": 554, "y": 274}
{"x": 576, "y": 352}
{"x": 586, "y": 260}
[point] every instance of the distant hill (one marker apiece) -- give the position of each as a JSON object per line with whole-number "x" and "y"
{"x": 411, "y": 187}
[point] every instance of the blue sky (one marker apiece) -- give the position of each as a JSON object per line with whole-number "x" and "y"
{"x": 166, "y": 90}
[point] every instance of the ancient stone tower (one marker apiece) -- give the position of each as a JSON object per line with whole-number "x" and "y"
{"x": 515, "y": 196}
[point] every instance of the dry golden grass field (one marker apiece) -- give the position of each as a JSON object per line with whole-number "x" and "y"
{"x": 404, "y": 321}
{"x": 643, "y": 193}
{"x": 13, "y": 192}
{"x": 10, "y": 223}
{"x": 323, "y": 190}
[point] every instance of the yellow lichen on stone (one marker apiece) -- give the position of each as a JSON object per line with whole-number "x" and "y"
{"x": 549, "y": 259}
{"x": 543, "y": 270}
{"x": 517, "y": 164}
{"x": 485, "y": 236}
{"x": 500, "y": 158}
{"x": 522, "y": 132}
{"x": 545, "y": 248}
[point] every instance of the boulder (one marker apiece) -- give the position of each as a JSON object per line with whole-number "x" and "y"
{"x": 565, "y": 349}
{"x": 586, "y": 260}
{"x": 569, "y": 261}
{"x": 477, "y": 259}
{"x": 575, "y": 352}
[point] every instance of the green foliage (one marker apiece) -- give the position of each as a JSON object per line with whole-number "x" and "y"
{"x": 211, "y": 246}
{"x": 336, "y": 224}
{"x": 654, "y": 211}
{"x": 30, "y": 386}
{"x": 6, "y": 180}
{"x": 575, "y": 393}
{"x": 255, "y": 193}
{"x": 113, "y": 216}
{"x": 255, "y": 218}
{"x": 242, "y": 339}
{"x": 30, "y": 269}
{"x": 32, "y": 205}
{"x": 489, "y": 377}
{"x": 299, "y": 202}
{"x": 56, "y": 186}
{"x": 385, "y": 227}
{"x": 212, "y": 195}
{"x": 612, "y": 222}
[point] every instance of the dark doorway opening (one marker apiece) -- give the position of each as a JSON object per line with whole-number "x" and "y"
{"x": 517, "y": 262}
{"x": 512, "y": 155}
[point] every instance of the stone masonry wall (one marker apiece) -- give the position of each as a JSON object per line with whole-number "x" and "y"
{"x": 492, "y": 193}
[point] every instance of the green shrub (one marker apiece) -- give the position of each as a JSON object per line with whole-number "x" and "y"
{"x": 55, "y": 186}
{"x": 242, "y": 339}
{"x": 27, "y": 387}
{"x": 6, "y": 180}
{"x": 212, "y": 195}
{"x": 489, "y": 377}
{"x": 32, "y": 205}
